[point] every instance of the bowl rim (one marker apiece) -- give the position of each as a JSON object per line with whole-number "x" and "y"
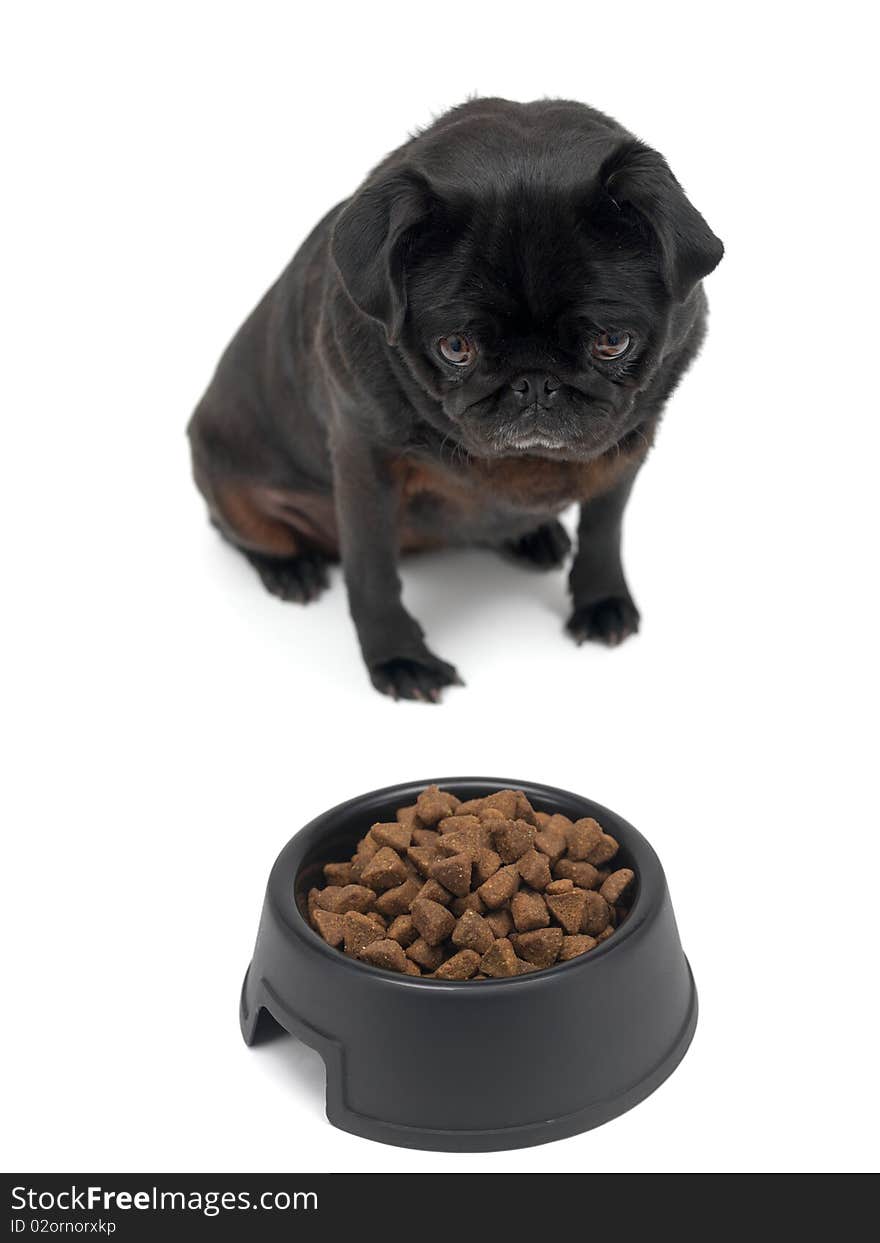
{"x": 282, "y": 889}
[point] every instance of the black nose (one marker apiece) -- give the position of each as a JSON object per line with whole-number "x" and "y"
{"x": 536, "y": 386}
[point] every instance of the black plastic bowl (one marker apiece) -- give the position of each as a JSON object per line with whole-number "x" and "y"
{"x": 482, "y": 1064}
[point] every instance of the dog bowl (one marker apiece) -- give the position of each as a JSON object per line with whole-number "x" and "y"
{"x": 477, "y": 1065}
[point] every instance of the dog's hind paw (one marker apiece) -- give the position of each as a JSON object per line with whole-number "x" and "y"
{"x": 608, "y": 621}
{"x": 299, "y": 579}
{"x": 422, "y": 679}
{"x": 545, "y": 548}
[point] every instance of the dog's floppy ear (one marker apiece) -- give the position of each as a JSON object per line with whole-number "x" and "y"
{"x": 370, "y": 241}
{"x": 638, "y": 179}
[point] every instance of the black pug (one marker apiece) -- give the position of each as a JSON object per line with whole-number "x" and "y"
{"x": 486, "y": 332}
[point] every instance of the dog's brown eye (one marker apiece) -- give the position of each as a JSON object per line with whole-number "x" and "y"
{"x": 610, "y": 344}
{"x": 457, "y": 349}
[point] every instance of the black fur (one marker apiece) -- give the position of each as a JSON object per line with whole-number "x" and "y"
{"x": 335, "y": 427}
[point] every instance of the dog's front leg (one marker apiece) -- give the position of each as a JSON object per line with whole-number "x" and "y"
{"x": 367, "y": 502}
{"x": 604, "y": 610}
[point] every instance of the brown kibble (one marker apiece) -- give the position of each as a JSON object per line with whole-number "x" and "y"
{"x": 469, "y": 825}
{"x": 534, "y": 868}
{"x": 568, "y": 908}
{"x": 433, "y": 891}
{"x": 457, "y": 844}
{"x": 428, "y": 957}
{"x": 347, "y": 898}
{"x": 412, "y": 871}
{"x": 397, "y": 836}
{"x": 386, "y": 954}
{"x": 500, "y": 888}
{"x": 529, "y": 910}
{"x": 339, "y": 874}
{"x": 472, "y": 890}
{"x": 403, "y": 930}
{"x": 512, "y": 838}
{"x": 499, "y": 960}
{"x": 616, "y": 884}
{"x": 473, "y": 932}
{"x": 605, "y": 851}
{"x": 584, "y": 875}
{"x": 432, "y": 920}
{"x": 453, "y": 874}
{"x": 470, "y": 902}
{"x": 385, "y": 870}
{"x": 500, "y": 922}
{"x": 486, "y": 864}
{"x": 470, "y": 807}
{"x": 504, "y": 801}
{"x": 460, "y": 966}
{"x": 512, "y": 804}
{"x": 398, "y": 900}
{"x": 330, "y": 925}
{"x": 366, "y": 847}
{"x": 423, "y": 857}
{"x": 524, "y": 809}
{"x": 541, "y": 946}
{"x": 409, "y": 818}
{"x": 551, "y": 844}
{"x": 572, "y": 947}
{"x": 583, "y": 837}
{"x": 359, "y": 931}
{"x": 433, "y": 804}
{"x": 597, "y": 914}
{"x": 326, "y": 898}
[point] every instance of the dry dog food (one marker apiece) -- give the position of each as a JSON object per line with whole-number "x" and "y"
{"x": 473, "y": 890}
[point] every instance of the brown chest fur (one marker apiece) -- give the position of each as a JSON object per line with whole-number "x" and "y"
{"x": 528, "y": 483}
{"x": 285, "y": 523}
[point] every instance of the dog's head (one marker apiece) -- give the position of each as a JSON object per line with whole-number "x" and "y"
{"x": 527, "y": 261}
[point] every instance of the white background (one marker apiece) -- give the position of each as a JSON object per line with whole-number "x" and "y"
{"x": 170, "y": 725}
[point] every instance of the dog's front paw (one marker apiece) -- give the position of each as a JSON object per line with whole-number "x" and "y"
{"x": 545, "y": 548}
{"x": 299, "y": 579}
{"x": 407, "y": 678}
{"x": 608, "y": 621}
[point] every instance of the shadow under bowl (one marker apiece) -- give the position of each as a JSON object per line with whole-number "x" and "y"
{"x": 477, "y": 1065}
